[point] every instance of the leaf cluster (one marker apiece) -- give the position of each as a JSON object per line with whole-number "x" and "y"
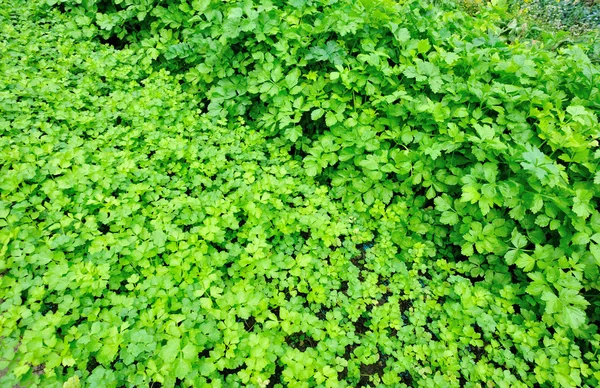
{"x": 303, "y": 193}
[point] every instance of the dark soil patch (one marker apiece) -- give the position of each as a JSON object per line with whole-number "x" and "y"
{"x": 301, "y": 341}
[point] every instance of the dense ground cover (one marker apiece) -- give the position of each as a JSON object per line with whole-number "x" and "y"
{"x": 302, "y": 193}
{"x": 558, "y": 23}
{"x": 576, "y": 16}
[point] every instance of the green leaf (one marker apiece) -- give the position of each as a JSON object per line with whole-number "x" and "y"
{"x": 518, "y": 240}
{"x": 485, "y": 132}
{"x": 330, "y": 119}
{"x": 293, "y": 133}
{"x": 72, "y": 382}
{"x": 595, "y": 251}
{"x": 317, "y": 114}
{"x": 573, "y": 317}
{"x": 449, "y": 218}
{"x": 402, "y": 35}
{"x": 171, "y": 350}
{"x": 567, "y": 308}
{"x": 423, "y": 46}
{"x": 312, "y": 166}
{"x": 470, "y": 194}
{"x": 200, "y": 5}
{"x": 525, "y": 262}
{"x": 277, "y": 74}
{"x": 182, "y": 368}
{"x": 443, "y": 203}
{"x": 581, "y": 203}
{"x": 291, "y": 79}
{"x": 369, "y": 163}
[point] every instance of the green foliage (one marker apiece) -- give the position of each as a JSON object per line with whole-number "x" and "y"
{"x": 555, "y": 23}
{"x": 573, "y": 15}
{"x": 304, "y": 193}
